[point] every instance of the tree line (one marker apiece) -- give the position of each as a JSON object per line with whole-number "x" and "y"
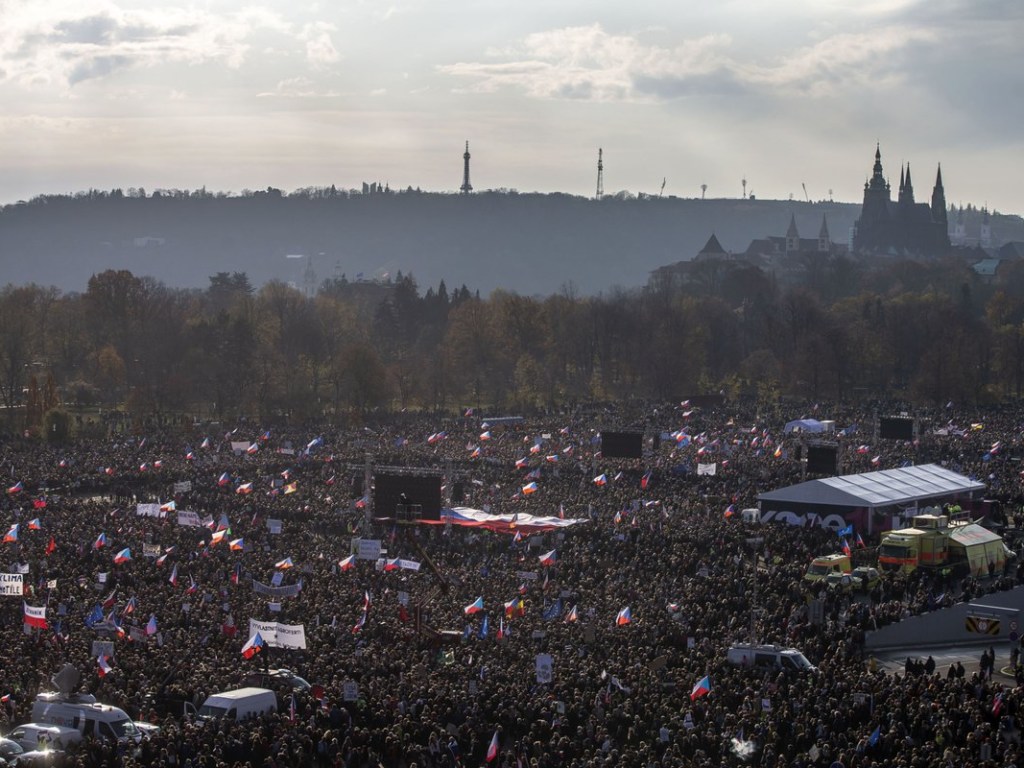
{"x": 928, "y": 332}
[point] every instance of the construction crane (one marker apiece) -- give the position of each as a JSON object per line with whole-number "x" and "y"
{"x": 806, "y": 196}
{"x": 662, "y": 190}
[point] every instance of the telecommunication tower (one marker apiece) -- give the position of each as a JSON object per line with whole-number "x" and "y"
{"x": 466, "y": 187}
{"x": 600, "y": 173}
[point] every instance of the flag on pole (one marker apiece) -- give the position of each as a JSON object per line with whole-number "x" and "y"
{"x": 348, "y": 563}
{"x": 549, "y": 558}
{"x": 123, "y": 556}
{"x": 236, "y": 573}
{"x": 104, "y": 665}
{"x": 571, "y": 616}
{"x": 860, "y": 542}
{"x": 35, "y": 524}
{"x": 252, "y": 646}
{"x": 52, "y": 546}
{"x": 12, "y": 533}
{"x": 475, "y": 607}
{"x": 174, "y": 575}
{"x": 492, "y": 749}
{"x": 285, "y": 564}
{"x": 151, "y": 625}
{"x": 601, "y": 479}
{"x": 237, "y": 545}
{"x": 18, "y": 487}
{"x": 702, "y": 688}
{"x": 625, "y": 616}
{"x": 35, "y": 617}
{"x": 101, "y": 541}
{"x": 170, "y": 506}
{"x": 224, "y": 479}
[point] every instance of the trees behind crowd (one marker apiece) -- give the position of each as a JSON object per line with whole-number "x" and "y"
{"x": 926, "y": 332}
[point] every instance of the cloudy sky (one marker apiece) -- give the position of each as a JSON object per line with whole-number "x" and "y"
{"x": 234, "y": 95}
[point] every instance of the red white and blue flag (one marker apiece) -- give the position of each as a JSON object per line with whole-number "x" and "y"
{"x": 492, "y": 749}
{"x": 702, "y": 688}
{"x": 252, "y": 646}
{"x": 625, "y": 616}
{"x": 35, "y": 617}
{"x": 475, "y": 607}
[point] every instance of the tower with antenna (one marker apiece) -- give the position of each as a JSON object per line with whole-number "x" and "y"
{"x": 600, "y": 174}
{"x": 466, "y": 187}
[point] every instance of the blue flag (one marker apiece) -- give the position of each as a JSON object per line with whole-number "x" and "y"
{"x": 847, "y": 531}
{"x": 875, "y": 735}
{"x": 485, "y": 626}
{"x": 95, "y": 617}
{"x": 554, "y": 610}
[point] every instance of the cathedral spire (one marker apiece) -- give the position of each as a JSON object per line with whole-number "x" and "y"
{"x": 939, "y": 213}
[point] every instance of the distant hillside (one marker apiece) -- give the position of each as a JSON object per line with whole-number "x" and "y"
{"x": 528, "y": 243}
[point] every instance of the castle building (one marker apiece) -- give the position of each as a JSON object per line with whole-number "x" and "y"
{"x": 904, "y": 227}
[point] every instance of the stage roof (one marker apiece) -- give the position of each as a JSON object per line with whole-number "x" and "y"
{"x": 877, "y": 489}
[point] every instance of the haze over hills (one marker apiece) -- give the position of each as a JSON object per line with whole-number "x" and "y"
{"x": 528, "y": 243}
{"x": 532, "y": 244}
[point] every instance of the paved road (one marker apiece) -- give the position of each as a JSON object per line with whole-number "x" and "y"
{"x": 894, "y": 661}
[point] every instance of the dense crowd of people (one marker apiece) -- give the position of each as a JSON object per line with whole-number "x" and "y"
{"x": 655, "y": 537}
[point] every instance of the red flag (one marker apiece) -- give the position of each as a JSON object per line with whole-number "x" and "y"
{"x": 52, "y": 546}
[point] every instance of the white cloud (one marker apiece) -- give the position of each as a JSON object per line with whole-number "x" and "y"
{"x": 320, "y": 49}
{"x": 64, "y": 43}
{"x": 296, "y": 88}
{"x": 589, "y": 63}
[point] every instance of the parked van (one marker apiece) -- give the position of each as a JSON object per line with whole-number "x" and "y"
{"x": 821, "y": 567}
{"x": 240, "y": 704}
{"x": 768, "y": 657}
{"x": 82, "y": 712}
{"x": 33, "y": 736}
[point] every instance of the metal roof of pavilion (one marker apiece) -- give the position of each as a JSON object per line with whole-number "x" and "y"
{"x": 878, "y": 489}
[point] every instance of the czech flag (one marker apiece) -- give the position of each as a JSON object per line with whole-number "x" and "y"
{"x": 730, "y": 511}
{"x": 104, "y": 665}
{"x": 552, "y": 458}
{"x": 189, "y": 456}
{"x": 35, "y": 524}
{"x": 224, "y": 479}
{"x": 129, "y": 607}
{"x": 16, "y": 488}
{"x": 174, "y": 575}
{"x": 143, "y": 466}
{"x": 170, "y": 506}
{"x": 492, "y": 749}
{"x": 601, "y": 479}
{"x": 359, "y": 624}
{"x": 205, "y": 444}
{"x": 12, "y": 533}
{"x": 252, "y": 646}
{"x": 572, "y": 616}
{"x": 529, "y": 488}
{"x": 348, "y": 563}
{"x": 123, "y": 556}
{"x": 285, "y": 564}
{"x": 151, "y": 625}
{"x": 316, "y": 442}
{"x": 391, "y": 565}
{"x": 549, "y": 558}
{"x": 236, "y": 574}
{"x": 485, "y": 435}
{"x": 109, "y": 471}
{"x": 218, "y": 537}
{"x": 702, "y": 688}
{"x": 876, "y": 461}
{"x": 35, "y": 617}
{"x": 860, "y": 542}
{"x": 475, "y": 607}
{"x": 645, "y": 480}
{"x": 101, "y": 541}
{"x": 237, "y": 545}
{"x": 253, "y": 447}
{"x": 244, "y": 489}
{"x": 520, "y": 463}
{"x": 624, "y": 616}
{"x": 846, "y": 547}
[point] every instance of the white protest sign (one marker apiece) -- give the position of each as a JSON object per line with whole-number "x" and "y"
{"x": 183, "y": 487}
{"x": 149, "y": 510}
{"x": 102, "y": 648}
{"x": 350, "y": 691}
{"x": 274, "y": 526}
{"x": 11, "y": 585}
{"x": 190, "y": 518}
{"x": 545, "y": 672}
{"x": 368, "y": 549}
{"x": 279, "y": 635}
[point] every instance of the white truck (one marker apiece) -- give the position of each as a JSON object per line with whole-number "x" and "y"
{"x": 239, "y": 704}
{"x": 82, "y": 712}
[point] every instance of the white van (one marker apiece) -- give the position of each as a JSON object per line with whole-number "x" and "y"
{"x": 768, "y": 657}
{"x": 82, "y": 712}
{"x": 240, "y": 704}
{"x": 34, "y": 736}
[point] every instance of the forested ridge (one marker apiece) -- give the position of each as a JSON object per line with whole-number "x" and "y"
{"x": 927, "y": 332}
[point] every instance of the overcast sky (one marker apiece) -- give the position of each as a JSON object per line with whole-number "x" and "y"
{"x": 233, "y": 95}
